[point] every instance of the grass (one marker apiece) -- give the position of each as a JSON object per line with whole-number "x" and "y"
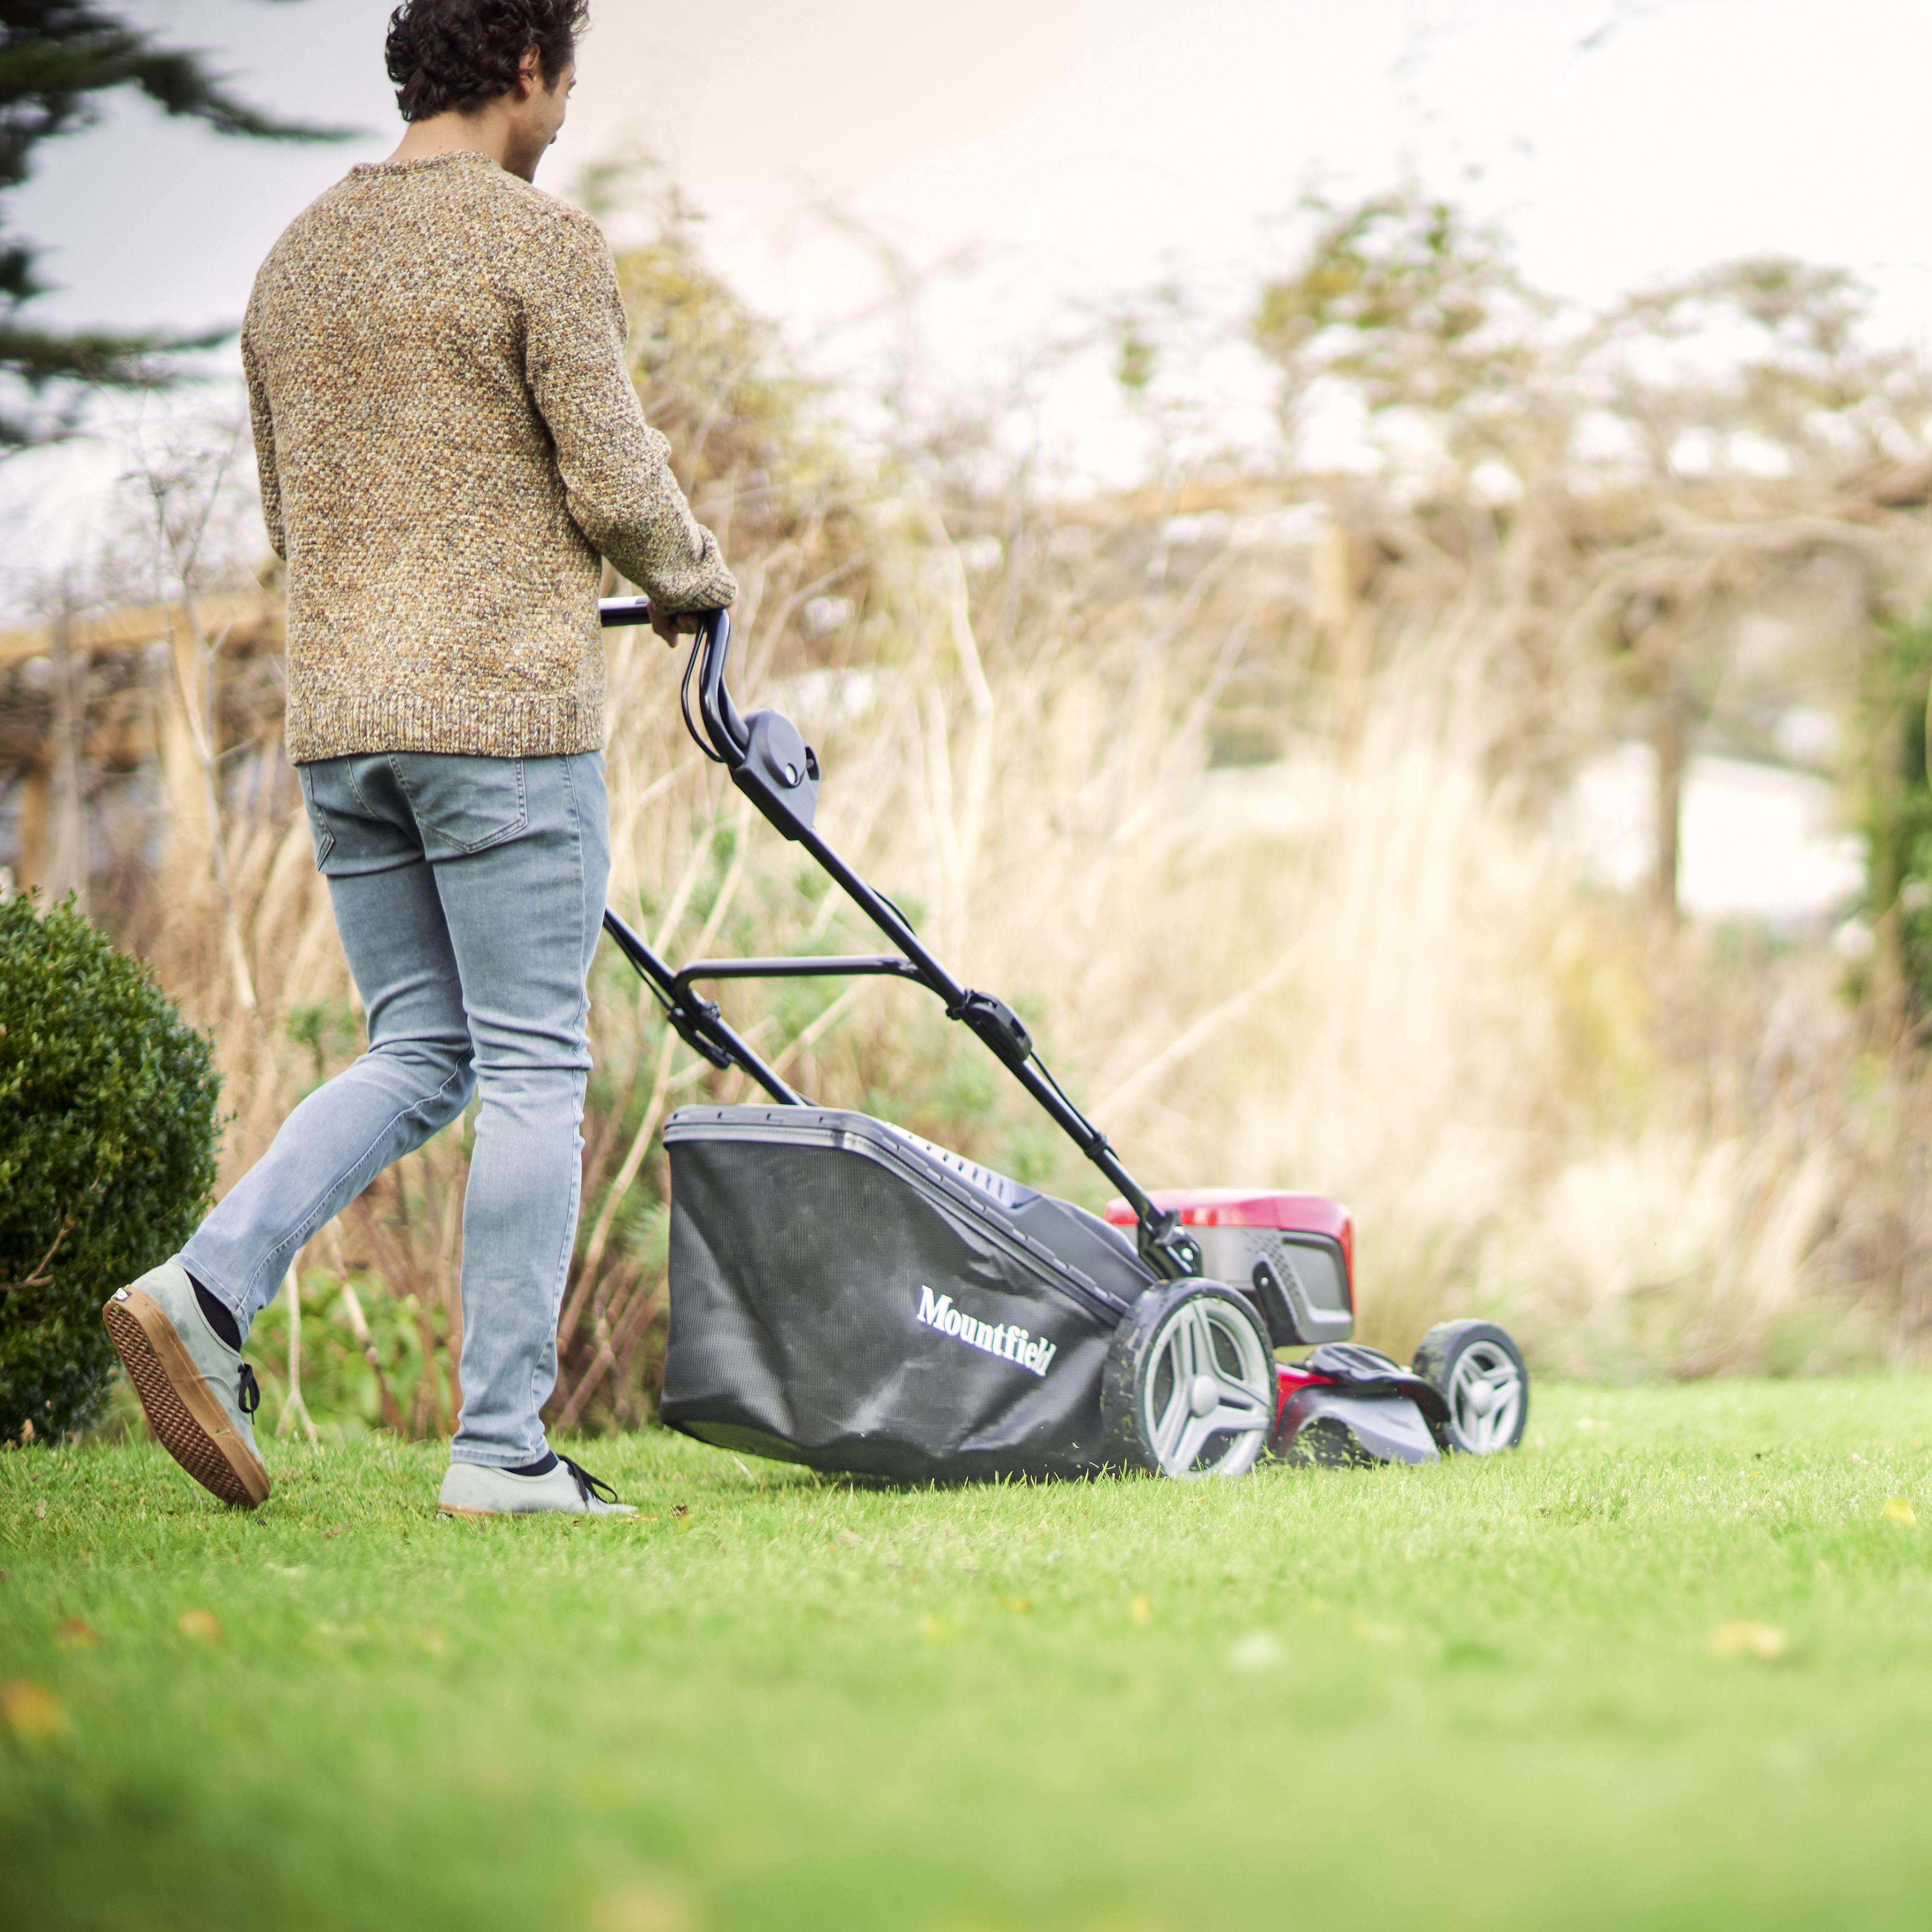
{"x": 1670, "y": 1665}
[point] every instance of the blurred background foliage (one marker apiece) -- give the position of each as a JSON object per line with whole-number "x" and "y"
{"x": 1254, "y": 788}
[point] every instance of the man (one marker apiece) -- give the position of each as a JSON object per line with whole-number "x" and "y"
{"x": 448, "y": 444}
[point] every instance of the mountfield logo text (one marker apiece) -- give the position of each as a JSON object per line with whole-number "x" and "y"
{"x": 937, "y": 1311}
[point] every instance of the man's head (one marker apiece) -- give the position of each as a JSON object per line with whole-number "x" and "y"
{"x": 471, "y": 57}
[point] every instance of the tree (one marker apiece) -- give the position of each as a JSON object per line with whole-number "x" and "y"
{"x": 58, "y": 57}
{"x": 1404, "y": 300}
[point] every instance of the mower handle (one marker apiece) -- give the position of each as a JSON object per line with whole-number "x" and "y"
{"x": 730, "y": 737}
{"x": 777, "y": 771}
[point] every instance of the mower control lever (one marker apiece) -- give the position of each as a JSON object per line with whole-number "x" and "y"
{"x": 730, "y": 736}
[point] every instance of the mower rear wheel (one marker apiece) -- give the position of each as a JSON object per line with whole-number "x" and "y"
{"x": 1190, "y": 1386}
{"x": 1479, "y": 1373}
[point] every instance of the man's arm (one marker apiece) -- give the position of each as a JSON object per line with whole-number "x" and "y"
{"x": 264, "y": 424}
{"x": 616, "y": 468}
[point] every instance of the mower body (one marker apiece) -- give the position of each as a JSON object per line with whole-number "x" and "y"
{"x": 846, "y": 1295}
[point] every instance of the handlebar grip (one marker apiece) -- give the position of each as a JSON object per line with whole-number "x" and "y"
{"x": 616, "y": 613}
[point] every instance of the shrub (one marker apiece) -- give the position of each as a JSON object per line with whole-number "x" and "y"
{"x": 107, "y": 1134}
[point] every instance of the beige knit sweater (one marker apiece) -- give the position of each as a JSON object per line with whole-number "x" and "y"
{"x": 448, "y": 442}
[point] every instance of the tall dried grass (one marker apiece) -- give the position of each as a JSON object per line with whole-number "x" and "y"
{"x": 1357, "y": 968}
{"x": 1348, "y": 962}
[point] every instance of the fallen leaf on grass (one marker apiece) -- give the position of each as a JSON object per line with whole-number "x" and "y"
{"x": 1898, "y": 1510}
{"x": 849, "y": 1538}
{"x": 1259, "y": 1650}
{"x": 32, "y": 1711}
{"x": 1372, "y": 1633}
{"x": 1743, "y": 1638}
{"x": 77, "y": 1634}
{"x": 336, "y": 1531}
{"x": 1141, "y": 1609}
{"x": 204, "y": 1626}
{"x": 40, "y": 1511}
{"x": 640, "y": 1908}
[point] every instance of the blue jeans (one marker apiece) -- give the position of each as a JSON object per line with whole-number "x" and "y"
{"x": 469, "y": 892}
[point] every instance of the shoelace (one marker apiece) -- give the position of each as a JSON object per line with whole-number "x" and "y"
{"x": 588, "y": 1485}
{"x": 249, "y": 1393}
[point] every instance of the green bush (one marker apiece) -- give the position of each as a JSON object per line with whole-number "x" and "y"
{"x": 107, "y": 1134}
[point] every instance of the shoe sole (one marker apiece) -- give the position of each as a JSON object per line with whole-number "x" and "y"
{"x": 491, "y": 1515}
{"x": 184, "y": 1413}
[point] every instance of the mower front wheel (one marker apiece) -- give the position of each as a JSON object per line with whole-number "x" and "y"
{"x": 1479, "y": 1373}
{"x": 1190, "y": 1386}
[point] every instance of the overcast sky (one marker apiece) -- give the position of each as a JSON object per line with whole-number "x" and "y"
{"x": 1070, "y": 149}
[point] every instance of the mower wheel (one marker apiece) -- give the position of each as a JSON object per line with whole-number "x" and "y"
{"x": 1479, "y": 1373}
{"x": 1190, "y": 1387}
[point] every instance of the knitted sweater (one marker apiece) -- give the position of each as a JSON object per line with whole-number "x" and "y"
{"x": 448, "y": 442}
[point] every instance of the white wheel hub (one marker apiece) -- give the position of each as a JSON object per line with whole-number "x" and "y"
{"x": 1208, "y": 1391}
{"x": 1485, "y": 1399}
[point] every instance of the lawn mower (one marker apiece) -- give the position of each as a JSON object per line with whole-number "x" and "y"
{"x": 846, "y": 1295}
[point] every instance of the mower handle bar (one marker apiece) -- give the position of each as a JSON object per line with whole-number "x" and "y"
{"x": 726, "y": 738}
{"x": 729, "y": 737}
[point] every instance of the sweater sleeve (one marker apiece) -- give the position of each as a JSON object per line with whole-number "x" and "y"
{"x": 616, "y": 468}
{"x": 263, "y": 421}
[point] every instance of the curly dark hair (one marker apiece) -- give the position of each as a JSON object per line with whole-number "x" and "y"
{"x": 464, "y": 54}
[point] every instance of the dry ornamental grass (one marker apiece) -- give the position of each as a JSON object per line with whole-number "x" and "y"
{"x": 1239, "y": 789}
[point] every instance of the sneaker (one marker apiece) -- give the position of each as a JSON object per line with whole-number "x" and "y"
{"x": 474, "y": 1489}
{"x": 198, "y": 1393}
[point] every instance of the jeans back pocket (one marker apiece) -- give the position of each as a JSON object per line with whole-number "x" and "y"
{"x": 462, "y": 802}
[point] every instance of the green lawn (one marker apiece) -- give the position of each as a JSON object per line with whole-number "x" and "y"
{"x": 1670, "y": 1665}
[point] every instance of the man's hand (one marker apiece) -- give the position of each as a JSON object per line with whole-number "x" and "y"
{"x": 670, "y": 625}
